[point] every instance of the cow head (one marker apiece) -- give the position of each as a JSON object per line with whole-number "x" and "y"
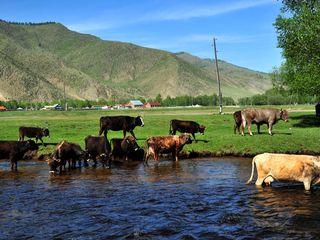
{"x": 284, "y": 115}
{"x": 45, "y": 132}
{"x": 129, "y": 144}
{"x": 31, "y": 145}
{"x": 185, "y": 138}
{"x": 131, "y": 148}
{"x": 53, "y": 163}
{"x": 138, "y": 121}
{"x": 201, "y": 129}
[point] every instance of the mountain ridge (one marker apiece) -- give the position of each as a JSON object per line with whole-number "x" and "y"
{"x": 37, "y": 60}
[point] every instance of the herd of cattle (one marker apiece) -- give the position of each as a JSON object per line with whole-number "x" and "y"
{"x": 270, "y": 167}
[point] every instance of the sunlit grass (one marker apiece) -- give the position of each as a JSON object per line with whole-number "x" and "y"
{"x": 300, "y": 135}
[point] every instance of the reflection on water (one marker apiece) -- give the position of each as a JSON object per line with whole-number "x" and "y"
{"x": 192, "y": 199}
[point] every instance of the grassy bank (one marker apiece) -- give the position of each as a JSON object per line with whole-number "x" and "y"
{"x": 300, "y": 135}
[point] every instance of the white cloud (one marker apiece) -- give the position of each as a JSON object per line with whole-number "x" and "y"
{"x": 205, "y": 11}
{"x": 177, "y": 13}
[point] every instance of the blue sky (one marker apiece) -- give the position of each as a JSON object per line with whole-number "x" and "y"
{"x": 243, "y": 28}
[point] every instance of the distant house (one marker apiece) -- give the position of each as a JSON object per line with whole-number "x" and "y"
{"x": 134, "y": 104}
{"x": 152, "y": 104}
{"x": 3, "y": 108}
{"x": 53, "y": 107}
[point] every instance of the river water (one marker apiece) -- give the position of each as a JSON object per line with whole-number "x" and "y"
{"x": 194, "y": 199}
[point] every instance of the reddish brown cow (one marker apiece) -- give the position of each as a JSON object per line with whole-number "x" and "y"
{"x": 261, "y": 116}
{"x": 166, "y": 144}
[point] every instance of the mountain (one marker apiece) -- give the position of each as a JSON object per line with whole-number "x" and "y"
{"x": 38, "y": 60}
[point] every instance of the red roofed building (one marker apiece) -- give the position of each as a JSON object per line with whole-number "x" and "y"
{"x": 3, "y": 108}
{"x": 152, "y": 105}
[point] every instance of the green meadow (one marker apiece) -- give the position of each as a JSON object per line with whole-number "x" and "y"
{"x": 300, "y": 135}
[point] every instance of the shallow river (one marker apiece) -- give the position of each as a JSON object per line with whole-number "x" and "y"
{"x": 194, "y": 199}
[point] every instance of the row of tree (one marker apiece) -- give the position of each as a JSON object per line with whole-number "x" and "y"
{"x": 204, "y": 100}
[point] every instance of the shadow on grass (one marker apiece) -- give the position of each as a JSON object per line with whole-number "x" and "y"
{"x": 306, "y": 121}
{"x": 47, "y": 144}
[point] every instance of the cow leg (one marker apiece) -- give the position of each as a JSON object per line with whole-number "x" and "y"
{"x": 249, "y": 128}
{"x": 147, "y": 157}
{"x": 14, "y": 165}
{"x": 307, "y": 184}
{"x": 258, "y": 127}
{"x": 194, "y": 137}
{"x": 243, "y": 125}
{"x": 176, "y": 154}
{"x": 132, "y": 133}
{"x": 41, "y": 141}
{"x": 270, "y": 129}
{"x": 94, "y": 161}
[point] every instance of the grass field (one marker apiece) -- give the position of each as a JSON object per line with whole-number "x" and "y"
{"x": 300, "y": 135}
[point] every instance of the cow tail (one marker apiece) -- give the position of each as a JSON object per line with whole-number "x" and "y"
{"x": 170, "y": 128}
{"x": 252, "y": 172}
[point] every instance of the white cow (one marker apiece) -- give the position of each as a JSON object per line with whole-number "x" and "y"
{"x": 286, "y": 167}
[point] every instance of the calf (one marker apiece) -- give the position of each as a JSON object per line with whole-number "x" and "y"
{"x": 98, "y": 147}
{"x": 66, "y": 152}
{"x": 118, "y": 123}
{"x": 14, "y": 150}
{"x": 33, "y": 132}
{"x": 126, "y": 148}
{"x": 166, "y": 144}
{"x": 286, "y": 167}
{"x": 260, "y": 116}
{"x": 184, "y": 126}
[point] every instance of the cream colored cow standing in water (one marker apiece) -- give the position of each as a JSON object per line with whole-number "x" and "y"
{"x": 286, "y": 167}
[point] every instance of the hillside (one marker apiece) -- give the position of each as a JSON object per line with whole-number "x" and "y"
{"x": 36, "y": 60}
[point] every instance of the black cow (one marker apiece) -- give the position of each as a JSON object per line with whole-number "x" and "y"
{"x": 98, "y": 147}
{"x": 14, "y": 150}
{"x": 184, "y": 126}
{"x": 237, "y": 121}
{"x": 118, "y": 123}
{"x": 126, "y": 148}
{"x": 33, "y": 132}
{"x": 66, "y": 152}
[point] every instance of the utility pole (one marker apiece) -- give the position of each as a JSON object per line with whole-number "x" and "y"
{"x": 64, "y": 96}
{"x": 218, "y": 76}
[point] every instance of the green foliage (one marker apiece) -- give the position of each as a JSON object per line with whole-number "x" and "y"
{"x": 298, "y": 36}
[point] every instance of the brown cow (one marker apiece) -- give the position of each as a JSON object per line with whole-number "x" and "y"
{"x": 286, "y": 167}
{"x": 66, "y": 152}
{"x": 98, "y": 147}
{"x": 33, "y": 132}
{"x": 15, "y": 150}
{"x": 184, "y": 126}
{"x": 261, "y": 116}
{"x": 166, "y": 144}
{"x": 126, "y": 149}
